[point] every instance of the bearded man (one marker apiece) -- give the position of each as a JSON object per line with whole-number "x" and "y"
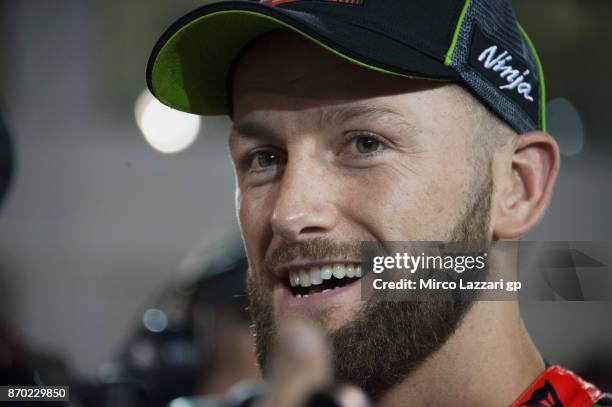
{"x": 376, "y": 120}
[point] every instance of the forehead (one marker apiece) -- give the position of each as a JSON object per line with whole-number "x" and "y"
{"x": 283, "y": 73}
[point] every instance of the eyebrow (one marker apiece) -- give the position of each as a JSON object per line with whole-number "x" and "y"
{"x": 337, "y": 116}
{"x": 329, "y": 117}
{"x": 253, "y": 129}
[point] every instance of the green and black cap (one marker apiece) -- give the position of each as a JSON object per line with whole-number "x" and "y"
{"x": 477, "y": 43}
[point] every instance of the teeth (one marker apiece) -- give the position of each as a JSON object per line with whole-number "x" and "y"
{"x": 294, "y": 278}
{"x": 318, "y": 275}
{"x": 315, "y": 276}
{"x": 304, "y": 278}
{"x": 339, "y": 271}
{"x": 326, "y": 272}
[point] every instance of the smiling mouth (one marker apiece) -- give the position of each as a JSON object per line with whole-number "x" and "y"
{"x": 319, "y": 280}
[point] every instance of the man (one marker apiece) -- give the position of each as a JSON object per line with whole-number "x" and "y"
{"x": 376, "y": 120}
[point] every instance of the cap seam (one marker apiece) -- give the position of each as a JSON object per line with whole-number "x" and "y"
{"x": 451, "y": 50}
{"x": 386, "y": 32}
{"x": 542, "y": 108}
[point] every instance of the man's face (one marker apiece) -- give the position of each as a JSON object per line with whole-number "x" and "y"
{"x": 328, "y": 154}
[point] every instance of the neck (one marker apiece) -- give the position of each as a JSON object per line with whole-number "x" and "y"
{"x": 491, "y": 346}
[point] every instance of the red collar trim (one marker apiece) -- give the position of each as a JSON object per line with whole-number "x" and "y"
{"x": 558, "y": 387}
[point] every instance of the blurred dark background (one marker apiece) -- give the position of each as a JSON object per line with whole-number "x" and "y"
{"x": 96, "y": 221}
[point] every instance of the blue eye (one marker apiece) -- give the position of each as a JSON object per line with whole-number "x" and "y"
{"x": 367, "y": 144}
{"x": 265, "y": 159}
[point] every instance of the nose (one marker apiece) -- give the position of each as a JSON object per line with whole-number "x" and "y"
{"x": 304, "y": 207}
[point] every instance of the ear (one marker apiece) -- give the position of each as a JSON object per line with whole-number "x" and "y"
{"x": 525, "y": 193}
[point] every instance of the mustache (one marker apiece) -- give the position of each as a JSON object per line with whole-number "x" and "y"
{"x": 313, "y": 249}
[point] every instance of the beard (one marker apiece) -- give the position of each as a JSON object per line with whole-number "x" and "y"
{"x": 387, "y": 340}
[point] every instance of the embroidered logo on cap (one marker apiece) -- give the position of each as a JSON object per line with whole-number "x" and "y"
{"x": 505, "y": 69}
{"x": 500, "y": 63}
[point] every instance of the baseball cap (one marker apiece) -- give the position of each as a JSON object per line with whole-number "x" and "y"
{"x": 477, "y": 43}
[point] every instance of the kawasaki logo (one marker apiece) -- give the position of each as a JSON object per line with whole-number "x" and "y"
{"x": 500, "y": 63}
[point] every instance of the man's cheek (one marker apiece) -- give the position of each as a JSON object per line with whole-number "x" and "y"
{"x": 256, "y": 207}
{"x": 253, "y": 241}
{"x": 253, "y": 219}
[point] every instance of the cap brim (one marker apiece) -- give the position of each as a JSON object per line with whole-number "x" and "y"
{"x": 189, "y": 66}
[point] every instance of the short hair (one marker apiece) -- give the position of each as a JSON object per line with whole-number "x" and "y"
{"x": 490, "y": 131}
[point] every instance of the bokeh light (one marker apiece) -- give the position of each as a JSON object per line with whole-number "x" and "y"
{"x": 167, "y": 130}
{"x": 155, "y": 320}
{"x": 565, "y": 125}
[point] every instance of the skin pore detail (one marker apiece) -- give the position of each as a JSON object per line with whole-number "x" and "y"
{"x": 326, "y": 160}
